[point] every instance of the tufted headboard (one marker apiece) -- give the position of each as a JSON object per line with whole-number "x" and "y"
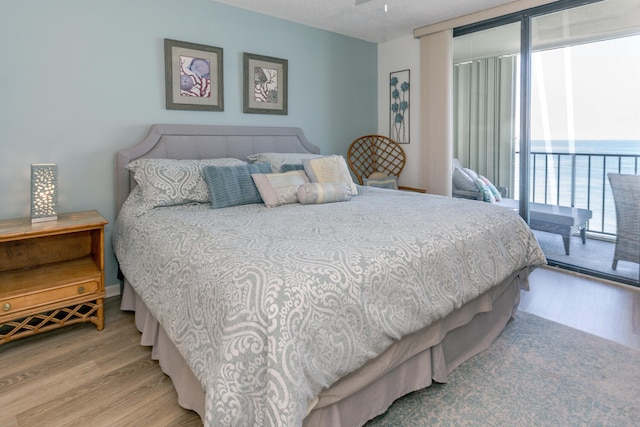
{"x": 206, "y": 142}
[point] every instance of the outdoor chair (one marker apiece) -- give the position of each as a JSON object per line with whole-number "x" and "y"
{"x": 626, "y": 197}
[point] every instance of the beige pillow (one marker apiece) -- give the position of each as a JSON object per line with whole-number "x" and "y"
{"x": 279, "y": 188}
{"x": 330, "y": 169}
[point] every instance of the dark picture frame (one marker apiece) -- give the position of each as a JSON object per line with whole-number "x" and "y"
{"x": 265, "y": 84}
{"x": 193, "y": 76}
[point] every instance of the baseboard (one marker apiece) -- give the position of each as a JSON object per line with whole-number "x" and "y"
{"x": 112, "y": 290}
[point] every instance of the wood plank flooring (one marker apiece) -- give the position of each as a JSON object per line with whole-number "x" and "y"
{"x": 79, "y": 376}
{"x": 601, "y": 308}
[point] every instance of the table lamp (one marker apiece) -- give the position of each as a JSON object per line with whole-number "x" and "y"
{"x": 44, "y": 192}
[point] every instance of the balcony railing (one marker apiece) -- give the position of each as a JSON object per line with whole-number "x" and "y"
{"x": 580, "y": 180}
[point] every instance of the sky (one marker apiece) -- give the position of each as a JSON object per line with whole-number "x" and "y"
{"x": 589, "y": 91}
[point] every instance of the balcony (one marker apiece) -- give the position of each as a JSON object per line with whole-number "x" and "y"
{"x": 580, "y": 180}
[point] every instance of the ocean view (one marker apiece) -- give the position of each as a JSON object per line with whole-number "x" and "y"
{"x": 622, "y": 147}
{"x": 552, "y": 163}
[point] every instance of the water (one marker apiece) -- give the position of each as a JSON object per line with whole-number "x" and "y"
{"x": 584, "y": 146}
{"x": 552, "y": 163}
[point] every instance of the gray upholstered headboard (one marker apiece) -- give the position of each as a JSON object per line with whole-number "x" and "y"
{"x": 206, "y": 142}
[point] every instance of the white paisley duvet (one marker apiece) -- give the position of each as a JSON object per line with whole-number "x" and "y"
{"x": 271, "y": 305}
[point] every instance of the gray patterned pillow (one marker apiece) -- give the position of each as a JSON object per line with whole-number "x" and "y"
{"x": 276, "y": 160}
{"x": 169, "y": 182}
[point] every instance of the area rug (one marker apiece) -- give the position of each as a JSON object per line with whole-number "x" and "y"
{"x": 537, "y": 373}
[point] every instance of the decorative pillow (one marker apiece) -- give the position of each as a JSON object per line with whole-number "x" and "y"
{"x": 168, "y": 182}
{"x": 386, "y": 182}
{"x": 292, "y": 167}
{"x": 276, "y": 160}
{"x": 327, "y": 192}
{"x": 279, "y": 188}
{"x": 233, "y": 185}
{"x": 492, "y": 187}
{"x": 486, "y": 192}
{"x": 330, "y": 169}
{"x": 473, "y": 174}
{"x": 462, "y": 181}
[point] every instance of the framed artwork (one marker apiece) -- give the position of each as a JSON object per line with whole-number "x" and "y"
{"x": 399, "y": 106}
{"x": 265, "y": 84}
{"x": 193, "y": 76}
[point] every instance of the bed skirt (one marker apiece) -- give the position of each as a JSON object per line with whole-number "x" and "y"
{"x": 410, "y": 364}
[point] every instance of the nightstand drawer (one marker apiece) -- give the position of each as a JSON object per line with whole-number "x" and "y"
{"x": 46, "y": 296}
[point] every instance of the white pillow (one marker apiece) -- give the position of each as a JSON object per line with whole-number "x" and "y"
{"x": 329, "y": 192}
{"x": 462, "y": 181}
{"x": 279, "y": 188}
{"x": 473, "y": 174}
{"x": 330, "y": 169}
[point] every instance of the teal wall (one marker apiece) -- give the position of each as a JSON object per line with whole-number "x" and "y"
{"x": 80, "y": 79}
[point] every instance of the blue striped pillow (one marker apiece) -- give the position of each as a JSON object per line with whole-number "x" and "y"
{"x": 233, "y": 185}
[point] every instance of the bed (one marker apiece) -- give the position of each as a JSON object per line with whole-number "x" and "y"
{"x": 318, "y": 314}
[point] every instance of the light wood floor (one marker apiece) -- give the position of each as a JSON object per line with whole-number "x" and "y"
{"x": 79, "y": 376}
{"x": 601, "y": 308}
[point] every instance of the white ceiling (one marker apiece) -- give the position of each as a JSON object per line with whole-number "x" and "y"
{"x": 368, "y": 20}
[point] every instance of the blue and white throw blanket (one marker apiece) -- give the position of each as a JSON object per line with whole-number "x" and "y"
{"x": 269, "y": 306}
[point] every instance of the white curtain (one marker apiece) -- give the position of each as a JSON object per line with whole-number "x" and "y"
{"x": 484, "y": 133}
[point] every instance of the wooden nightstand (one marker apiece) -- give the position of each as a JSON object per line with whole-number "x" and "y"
{"x": 51, "y": 274}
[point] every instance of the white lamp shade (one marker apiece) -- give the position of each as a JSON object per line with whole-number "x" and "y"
{"x": 44, "y": 192}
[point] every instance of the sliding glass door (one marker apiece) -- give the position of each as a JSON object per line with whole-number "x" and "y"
{"x": 545, "y": 106}
{"x": 584, "y": 125}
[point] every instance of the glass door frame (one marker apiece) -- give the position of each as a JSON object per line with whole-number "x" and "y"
{"x": 526, "y": 42}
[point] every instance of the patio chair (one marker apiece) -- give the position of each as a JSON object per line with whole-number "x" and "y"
{"x": 626, "y": 197}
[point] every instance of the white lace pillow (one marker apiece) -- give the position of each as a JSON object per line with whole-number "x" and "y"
{"x": 169, "y": 182}
{"x": 330, "y": 169}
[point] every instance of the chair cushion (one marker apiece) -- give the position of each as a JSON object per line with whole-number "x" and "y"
{"x": 390, "y": 182}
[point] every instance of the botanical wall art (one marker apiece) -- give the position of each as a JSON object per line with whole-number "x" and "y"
{"x": 193, "y": 74}
{"x": 399, "y": 109}
{"x": 265, "y": 84}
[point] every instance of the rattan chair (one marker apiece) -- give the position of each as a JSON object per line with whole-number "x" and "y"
{"x": 626, "y": 197}
{"x": 375, "y": 154}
